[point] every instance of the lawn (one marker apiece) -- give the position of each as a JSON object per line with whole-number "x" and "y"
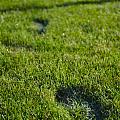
{"x": 59, "y": 60}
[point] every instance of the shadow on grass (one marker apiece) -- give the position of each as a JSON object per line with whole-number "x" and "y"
{"x": 41, "y": 46}
{"x": 15, "y": 45}
{"x": 66, "y": 4}
{"x": 87, "y": 98}
{"x": 40, "y": 28}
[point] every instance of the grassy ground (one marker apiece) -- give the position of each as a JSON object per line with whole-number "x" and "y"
{"x": 59, "y": 60}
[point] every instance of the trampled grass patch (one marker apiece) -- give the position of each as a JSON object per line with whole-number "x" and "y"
{"x": 59, "y": 60}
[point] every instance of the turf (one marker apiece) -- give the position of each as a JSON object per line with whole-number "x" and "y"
{"x": 59, "y": 60}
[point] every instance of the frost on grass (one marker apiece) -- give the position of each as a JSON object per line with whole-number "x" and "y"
{"x": 77, "y": 100}
{"x": 41, "y": 25}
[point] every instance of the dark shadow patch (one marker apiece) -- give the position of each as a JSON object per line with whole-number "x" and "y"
{"x": 15, "y": 44}
{"x": 66, "y": 4}
{"x": 41, "y": 25}
{"x": 38, "y": 45}
{"x": 86, "y": 98}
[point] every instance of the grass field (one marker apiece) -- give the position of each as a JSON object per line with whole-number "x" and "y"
{"x": 59, "y": 60}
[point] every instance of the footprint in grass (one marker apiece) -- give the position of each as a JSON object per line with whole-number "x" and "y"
{"x": 41, "y": 25}
{"x": 81, "y": 104}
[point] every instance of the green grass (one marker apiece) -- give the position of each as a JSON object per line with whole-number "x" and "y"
{"x": 71, "y": 71}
